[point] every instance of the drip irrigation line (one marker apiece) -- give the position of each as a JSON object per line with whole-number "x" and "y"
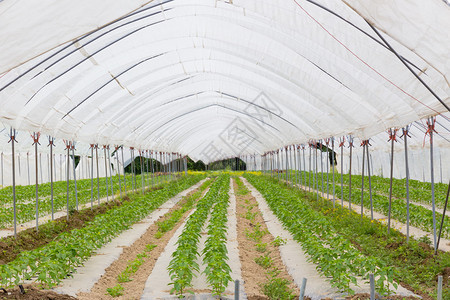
{"x": 87, "y": 43}
{"x": 359, "y": 29}
{"x": 409, "y": 68}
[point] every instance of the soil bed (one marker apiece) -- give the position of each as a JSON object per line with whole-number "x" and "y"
{"x": 134, "y": 288}
{"x": 33, "y": 293}
{"x": 253, "y": 246}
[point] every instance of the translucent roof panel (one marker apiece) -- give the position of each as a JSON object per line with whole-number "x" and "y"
{"x": 215, "y": 79}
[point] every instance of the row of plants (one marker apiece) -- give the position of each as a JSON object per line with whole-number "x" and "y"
{"x": 26, "y": 210}
{"x": 164, "y": 225}
{"x": 274, "y": 287}
{"x": 59, "y": 258}
{"x": 414, "y": 262}
{"x": 217, "y": 271}
{"x": 132, "y": 268}
{"x": 183, "y": 266}
{"x": 174, "y": 217}
{"x": 418, "y": 191}
{"x": 336, "y": 257}
{"x": 419, "y": 216}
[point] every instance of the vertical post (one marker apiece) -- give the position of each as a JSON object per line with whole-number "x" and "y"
{"x": 50, "y": 144}
{"x": 236, "y": 289}
{"x": 316, "y": 175}
{"x": 148, "y": 170}
{"x": 98, "y": 175}
{"x": 372, "y": 286}
{"x": 12, "y": 136}
{"x": 328, "y": 168}
{"x": 363, "y": 144}
{"x": 439, "y": 289}
{"x": 286, "y": 163}
{"x": 392, "y": 134}
{"x": 2, "y": 169}
{"x": 341, "y": 145}
{"x": 110, "y": 173}
{"x": 106, "y": 174}
{"x": 118, "y": 169}
{"x": 405, "y": 139}
{"x": 28, "y": 167}
{"x": 350, "y": 143}
{"x": 74, "y": 175}
{"x": 309, "y": 173}
{"x": 321, "y": 163}
{"x": 142, "y": 171}
{"x": 295, "y": 179}
{"x": 333, "y": 165}
{"x": 36, "y": 136}
{"x": 124, "y": 174}
{"x": 370, "y": 180}
{"x": 302, "y": 289}
{"x": 92, "y": 176}
{"x": 67, "y": 177}
{"x": 431, "y": 123}
{"x": 443, "y": 218}
{"x": 304, "y": 165}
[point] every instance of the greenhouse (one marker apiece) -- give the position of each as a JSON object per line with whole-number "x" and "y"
{"x": 225, "y": 149}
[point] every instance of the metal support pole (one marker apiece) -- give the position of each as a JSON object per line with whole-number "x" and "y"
{"x": 236, "y": 289}
{"x": 321, "y": 164}
{"x": 362, "y": 178}
{"x": 372, "y": 286}
{"x": 67, "y": 177}
{"x": 430, "y": 131}
{"x": 328, "y": 169}
{"x": 106, "y": 174}
{"x": 392, "y": 139}
{"x": 74, "y": 175}
{"x": 350, "y": 142}
{"x": 133, "y": 169}
{"x": 110, "y": 173}
{"x": 304, "y": 165}
{"x": 439, "y": 289}
{"x": 124, "y": 174}
{"x": 405, "y": 139}
{"x": 98, "y": 175}
{"x": 309, "y": 173}
{"x": 302, "y": 289}
{"x": 342, "y": 171}
{"x": 36, "y": 136}
{"x": 333, "y": 165}
{"x": 51, "y": 142}
{"x": 12, "y": 136}
{"x": 118, "y": 169}
{"x": 92, "y": 176}
{"x": 286, "y": 163}
{"x": 316, "y": 177}
{"x": 443, "y": 218}
{"x": 142, "y": 173}
{"x": 370, "y": 181}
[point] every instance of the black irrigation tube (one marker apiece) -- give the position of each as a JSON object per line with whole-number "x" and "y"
{"x": 85, "y": 36}
{"x": 207, "y": 106}
{"x": 111, "y": 80}
{"x": 359, "y": 29}
{"x": 91, "y": 55}
{"x": 409, "y": 68}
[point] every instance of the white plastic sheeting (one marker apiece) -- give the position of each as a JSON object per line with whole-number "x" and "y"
{"x": 214, "y": 79}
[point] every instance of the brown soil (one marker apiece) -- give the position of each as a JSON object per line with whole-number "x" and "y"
{"x": 134, "y": 288}
{"x": 32, "y": 293}
{"x": 29, "y": 239}
{"x": 253, "y": 274}
{"x": 365, "y": 296}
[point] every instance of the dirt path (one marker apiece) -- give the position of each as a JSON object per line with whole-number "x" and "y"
{"x": 107, "y": 258}
{"x": 255, "y": 275}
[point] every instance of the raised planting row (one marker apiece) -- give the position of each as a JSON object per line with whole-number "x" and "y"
{"x": 418, "y": 191}
{"x": 415, "y": 265}
{"x": 337, "y": 258}
{"x": 183, "y": 266}
{"x": 419, "y": 216}
{"x": 58, "y": 259}
{"x": 26, "y": 210}
{"x": 215, "y": 256}
{"x": 266, "y": 275}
